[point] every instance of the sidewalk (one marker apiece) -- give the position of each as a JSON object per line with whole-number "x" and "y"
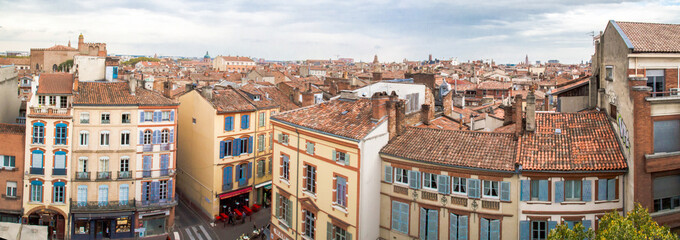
{"x": 230, "y": 232}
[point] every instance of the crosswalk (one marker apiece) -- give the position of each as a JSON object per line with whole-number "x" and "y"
{"x": 197, "y": 232}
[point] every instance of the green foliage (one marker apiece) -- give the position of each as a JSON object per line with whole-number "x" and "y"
{"x": 65, "y": 66}
{"x": 636, "y": 225}
{"x": 141, "y": 59}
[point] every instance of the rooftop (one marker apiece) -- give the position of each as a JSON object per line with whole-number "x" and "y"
{"x": 55, "y": 83}
{"x": 652, "y": 37}
{"x": 12, "y": 128}
{"x": 117, "y": 93}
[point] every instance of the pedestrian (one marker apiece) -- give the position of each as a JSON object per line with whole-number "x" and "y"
{"x": 231, "y": 216}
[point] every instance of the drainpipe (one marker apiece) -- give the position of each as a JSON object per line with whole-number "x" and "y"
{"x": 297, "y": 182}
{"x": 623, "y": 180}
{"x": 255, "y": 151}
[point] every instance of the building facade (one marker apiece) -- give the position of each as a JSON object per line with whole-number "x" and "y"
{"x": 12, "y": 152}
{"x": 233, "y": 64}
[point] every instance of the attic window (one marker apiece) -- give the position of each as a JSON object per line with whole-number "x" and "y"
{"x": 256, "y": 97}
{"x": 344, "y": 112}
{"x": 558, "y": 131}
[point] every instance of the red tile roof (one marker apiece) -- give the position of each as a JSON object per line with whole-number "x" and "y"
{"x": 652, "y": 37}
{"x": 230, "y": 58}
{"x": 229, "y": 100}
{"x": 117, "y": 93}
{"x": 482, "y": 150}
{"x": 345, "y": 118}
{"x": 494, "y": 85}
{"x": 570, "y": 86}
{"x": 12, "y": 129}
{"x": 55, "y": 83}
{"x": 61, "y": 48}
{"x": 15, "y": 61}
{"x": 444, "y": 123}
{"x": 587, "y": 142}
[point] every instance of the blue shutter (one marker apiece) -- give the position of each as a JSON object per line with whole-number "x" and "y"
{"x": 226, "y": 178}
{"x": 453, "y": 226}
{"x": 423, "y": 223}
{"x": 172, "y": 115}
{"x": 442, "y": 184}
{"x": 432, "y": 225}
{"x": 172, "y": 135}
{"x": 551, "y": 225}
{"x": 462, "y": 227}
{"x": 483, "y": 229}
{"x": 524, "y": 230}
{"x": 586, "y": 224}
{"x": 473, "y": 188}
{"x": 145, "y": 186}
{"x": 395, "y": 215}
{"x": 170, "y": 189}
{"x": 388, "y": 174}
{"x": 543, "y": 190}
{"x": 418, "y": 179}
{"x": 250, "y": 170}
{"x": 226, "y": 124}
{"x": 611, "y": 189}
{"x": 559, "y": 191}
{"x": 156, "y": 190}
{"x": 147, "y": 163}
{"x": 602, "y": 189}
{"x": 237, "y": 147}
{"x": 525, "y": 192}
{"x": 412, "y": 179}
{"x": 156, "y": 135}
{"x": 495, "y": 230}
{"x": 505, "y": 191}
{"x": 165, "y": 161}
{"x": 141, "y": 117}
{"x": 141, "y": 137}
{"x": 222, "y": 148}
{"x": 250, "y": 144}
{"x": 587, "y": 186}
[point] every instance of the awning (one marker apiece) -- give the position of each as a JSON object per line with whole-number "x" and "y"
{"x": 264, "y": 184}
{"x": 234, "y": 193}
{"x": 9, "y": 231}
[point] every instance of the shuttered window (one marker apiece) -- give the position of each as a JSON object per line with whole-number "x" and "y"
{"x": 400, "y": 216}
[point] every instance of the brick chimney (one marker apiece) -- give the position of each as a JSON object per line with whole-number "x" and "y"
{"x": 425, "y": 114}
{"x": 392, "y": 115}
{"x": 447, "y": 103}
{"x": 378, "y": 105}
{"x": 167, "y": 89}
{"x": 531, "y": 112}
{"x": 377, "y": 76}
{"x": 307, "y": 98}
{"x": 507, "y": 111}
{"x": 517, "y": 114}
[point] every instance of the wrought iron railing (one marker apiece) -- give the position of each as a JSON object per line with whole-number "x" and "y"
{"x": 102, "y": 205}
{"x": 59, "y": 171}
{"x": 124, "y": 175}
{"x": 147, "y": 148}
{"x": 37, "y": 171}
{"x": 103, "y": 175}
{"x": 82, "y": 175}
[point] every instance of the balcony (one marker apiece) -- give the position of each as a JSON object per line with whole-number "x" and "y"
{"x": 147, "y": 148}
{"x": 106, "y": 121}
{"x": 42, "y": 111}
{"x": 124, "y": 175}
{"x": 21, "y": 120}
{"x": 146, "y": 173}
{"x": 459, "y": 201}
{"x": 83, "y": 176}
{"x": 37, "y": 171}
{"x": 165, "y": 147}
{"x": 97, "y": 206}
{"x": 242, "y": 182}
{"x": 103, "y": 175}
{"x": 227, "y": 187}
{"x": 59, "y": 171}
{"x": 155, "y": 203}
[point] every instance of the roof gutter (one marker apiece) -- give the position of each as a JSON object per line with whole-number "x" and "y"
{"x": 449, "y": 165}
{"x": 313, "y": 130}
{"x": 625, "y": 38}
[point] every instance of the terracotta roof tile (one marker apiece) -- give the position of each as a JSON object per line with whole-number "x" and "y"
{"x": 61, "y": 48}
{"x": 229, "y": 100}
{"x": 587, "y": 142}
{"x": 483, "y": 150}
{"x": 494, "y": 85}
{"x": 652, "y": 37}
{"x": 346, "y": 118}
{"x": 117, "y": 93}
{"x": 12, "y": 128}
{"x": 444, "y": 123}
{"x": 55, "y": 83}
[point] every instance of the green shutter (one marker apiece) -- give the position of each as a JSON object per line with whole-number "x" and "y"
{"x": 329, "y": 231}
{"x": 611, "y": 189}
{"x": 278, "y": 205}
{"x": 348, "y": 236}
{"x": 288, "y": 213}
{"x": 335, "y": 156}
{"x": 347, "y": 159}
{"x": 505, "y": 191}
{"x": 388, "y": 174}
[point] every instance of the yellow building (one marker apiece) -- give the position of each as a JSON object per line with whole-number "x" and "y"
{"x": 326, "y": 183}
{"x": 225, "y": 148}
{"x": 439, "y": 184}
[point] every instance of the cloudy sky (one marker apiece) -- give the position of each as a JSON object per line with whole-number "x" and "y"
{"x": 322, "y": 29}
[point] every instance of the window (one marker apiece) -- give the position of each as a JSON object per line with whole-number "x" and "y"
{"x": 38, "y": 133}
{"x": 245, "y": 121}
{"x": 666, "y": 192}
{"x": 165, "y": 136}
{"x": 310, "y": 148}
{"x": 428, "y": 224}
{"x": 163, "y": 192}
{"x": 82, "y": 164}
{"x": 60, "y": 134}
{"x": 7, "y": 161}
{"x": 338, "y": 233}
{"x": 106, "y": 118}
{"x": 84, "y": 138}
{"x": 53, "y": 100}
{"x": 655, "y": 80}
{"x": 58, "y": 191}
{"x": 283, "y": 138}
{"x": 539, "y": 230}
{"x": 309, "y": 227}
{"x": 260, "y": 142}
{"x": 103, "y": 195}
{"x": 62, "y": 102}
{"x": 123, "y": 194}
{"x": 285, "y": 167}
{"x": 243, "y": 146}
{"x": 310, "y": 178}
{"x": 11, "y": 189}
{"x": 148, "y": 116}
{"x": 284, "y": 211}
{"x": 609, "y": 73}
{"x": 400, "y": 216}
{"x": 36, "y": 191}
{"x": 401, "y": 176}
{"x": 430, "y": 181}
{"x": 226, "y": 148}
{"x": 666, "y": 136}
{"x": 489, "y": 229}
{"x": 535, "y": 189}
{"x": 148, "y": 137}
{"x": 124, "y": 164}
{"x": 125, "y": 138}
{"x": 571, "y": 224}
{"x": 459, "y": 185}
{"x": 341, "y": 191}
{"x": 165, "y": 116}
{"x": 125, "y": 118}
{"x": 41, "y": 100}
{"x": 341, "y": 157}
{"x": 193, "y": 120}
{"x": 104, "y": 138}
{"x": 260, "y": 168}
{"x": 82, "y": 195}
{"x": 412, "y": 102}
{"x": 572, "y": 190}
{"x": 262, "y": 118}
{"x": 458, "y": 226}
{"x": 37, "y": 158}
{"x": 85, "y": 118}
{"x": 60, "y": 160}
{"x": 490, "y": 188}
{"x": 228, "y": 124}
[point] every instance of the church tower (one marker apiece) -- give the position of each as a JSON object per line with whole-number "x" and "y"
{"x": 377, "y": 69}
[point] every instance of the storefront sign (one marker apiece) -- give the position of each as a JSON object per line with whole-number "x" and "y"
{"x": 279, "y": 234}
{"x": 140, "y": 229}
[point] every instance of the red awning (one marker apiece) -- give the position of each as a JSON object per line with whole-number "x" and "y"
{"x": 234, "y": 193}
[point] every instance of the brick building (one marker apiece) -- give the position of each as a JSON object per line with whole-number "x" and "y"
{"x": 11, "y": 171}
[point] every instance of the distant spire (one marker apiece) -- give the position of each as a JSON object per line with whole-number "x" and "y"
{"x": 69, "y": 43}
{"x": 375, "y": 59}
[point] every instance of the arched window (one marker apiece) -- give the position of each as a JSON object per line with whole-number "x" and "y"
{"x": 165, "y": 136}
{"x": 147, "y": 137}
{"x": 54, "y": 67}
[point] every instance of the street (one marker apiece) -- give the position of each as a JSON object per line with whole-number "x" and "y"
{"x": 191, "y": 225}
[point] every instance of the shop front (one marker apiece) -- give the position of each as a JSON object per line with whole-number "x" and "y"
{"x": 102, "y": 225}
{"x": 263, "y": 192}
{"x": 152, "y": 223}
{"x": 53, "y": 219}
{"x": 237, "y": 201}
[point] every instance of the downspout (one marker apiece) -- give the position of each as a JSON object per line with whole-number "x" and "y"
{"x": 297, "y": 183}
{"x": 678, "y": 74}
{"x": 255, "y": 150}
{"x": 624, "y": 196}
{"x": 636, "y": 66}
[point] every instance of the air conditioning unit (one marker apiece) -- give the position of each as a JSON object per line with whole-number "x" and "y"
{"x": 675, "y": 91}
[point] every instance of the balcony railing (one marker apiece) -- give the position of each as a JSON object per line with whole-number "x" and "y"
{"x": 146, "y": 173}
{"x": 165, "y": 147}
{"x": 242, "y": 182}
{"x": 37, "y": 171}
{"x": 78, "y": 206}
{"x": 49, "y": 111}
{"x": 21, "y": 120}
{"x": 59, "y": 171}
{"x": 124, "y": 175}
{"x": 106, "y": 121}
{"x": 227, "y": 187}
{"x": 400, "y": 189}
{"x": 82, "y": 175}
{"x": 429, "y": 195}
{"x": 147, "y": 148}
{"x": 459, "y": 201}
{"x": 84, "y": 121}
{"x": 493, "y": 205}
{"x": 165, "y": 172}
{"x": 103, "y": 175}
{"x": 156, "y": 203}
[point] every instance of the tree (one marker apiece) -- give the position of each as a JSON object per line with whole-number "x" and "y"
{"x": 65, "y": 66}
{"x": 134, "y": 61}
{"x": 636, "y": 225}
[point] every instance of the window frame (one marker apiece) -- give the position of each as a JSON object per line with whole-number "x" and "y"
{"x": 429, "y": 183}
{"x": 491, "y": 188}
{"x": 461, "y": 184}
{"x": 85, "y": 139}
{"x": 309, "y": 222}
{"x": 105, "y": 118}
{"x": 573, "y": 190}
{"x": 539, "y": 231}
{"x": 105, "y": 138}
{"x": 403, "y": 178}
{"x": 125, "y": 138}
{"x": 84, "y": 118}
{"x": 9, "y": 190}
{"x": 58, "y": 193}
{"x": 147, "y": 136}
{"x": 310, "y": 181}
{"x": 125, "y": 116}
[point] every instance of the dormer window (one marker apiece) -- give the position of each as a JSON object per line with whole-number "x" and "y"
{"x": 256, "y": 97}
{"x": 41, "y": 100}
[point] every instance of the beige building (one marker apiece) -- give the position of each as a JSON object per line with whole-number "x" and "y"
{"x": 233, "y": 64}
{"x": 225, "y": 149}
